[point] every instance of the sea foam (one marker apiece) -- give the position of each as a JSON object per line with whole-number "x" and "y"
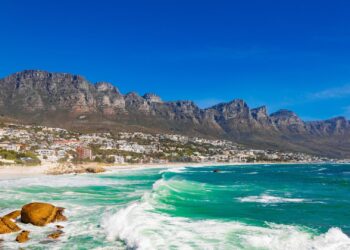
{"x": 141, "y": 226}
{"x": 269, "y": 199}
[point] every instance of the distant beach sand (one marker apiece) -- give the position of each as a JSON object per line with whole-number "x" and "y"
{"x": 23, "y": 171}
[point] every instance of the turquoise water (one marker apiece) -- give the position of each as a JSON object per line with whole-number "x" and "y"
{"x": 241, "y": 207}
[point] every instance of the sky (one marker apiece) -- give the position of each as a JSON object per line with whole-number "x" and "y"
{"x": 282, "y": 54}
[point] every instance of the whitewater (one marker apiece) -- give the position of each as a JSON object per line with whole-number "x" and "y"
{"x": 301, "y": 206}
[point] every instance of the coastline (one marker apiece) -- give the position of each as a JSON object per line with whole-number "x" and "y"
{"x": 28, "y": 171}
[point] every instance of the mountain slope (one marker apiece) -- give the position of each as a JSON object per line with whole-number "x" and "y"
{"x": 65, "y": 100}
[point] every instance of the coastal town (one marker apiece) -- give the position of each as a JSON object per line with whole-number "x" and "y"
{"x": 40, "y": 145}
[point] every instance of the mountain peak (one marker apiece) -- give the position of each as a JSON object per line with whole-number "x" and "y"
{"x": 42, "y": 75}
{"x": 284, "y": 113}
{"x": 105, "y": 87}
{"x": 152, "y": 98}
{"x": 259, "y": 113}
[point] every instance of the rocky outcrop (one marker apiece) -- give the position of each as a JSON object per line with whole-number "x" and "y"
{"x": 108, "y": 99}
{"x": 75, "y": 169}
{"x": 13, "y": 215}
{"x": 152, "y": 98}
{"x": 41, "y": 214}
{"x": 286, "y": 120}
{"x": 23, "y": 236}
{"x": 8, "y": 226}
{"x": 335, "y": 126}
{"x": 70, "y": 101}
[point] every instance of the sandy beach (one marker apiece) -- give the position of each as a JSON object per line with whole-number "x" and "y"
{"x": 23, "y": 171}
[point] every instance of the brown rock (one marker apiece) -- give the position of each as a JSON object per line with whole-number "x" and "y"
{"x": 40, "y": 214}
{"x": 55, "y": 235}
{"x": 13, "y": 215}
{"x": 59, "y": 227}
{"x": 95, "y": 170}
{"x": 59, "y": 215}
{"x": 4, "y": 229}
{"x": 8, "y": 226}
{"x": 22, "y": 236}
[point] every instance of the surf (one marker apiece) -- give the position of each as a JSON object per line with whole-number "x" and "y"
{"x": 142, "y": 226}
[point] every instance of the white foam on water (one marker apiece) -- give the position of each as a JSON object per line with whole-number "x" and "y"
{"x": 269, "y": 199}
{"x": 252, "y": 173}
{"x": 61, "y": 181}
{"x": 140, "y": 227}
{"x": 173, "y": 170}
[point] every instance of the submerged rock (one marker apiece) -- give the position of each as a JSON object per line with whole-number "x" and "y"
{"x": 23, "y": 236}
{"x": 56, "y": 234}
{"x": 41, "y": 214}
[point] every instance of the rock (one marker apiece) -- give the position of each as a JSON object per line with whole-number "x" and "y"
{"x": 8, "y": 226}
{"x": 59, "y": 215}
{"x": 95, "y": 170}
{"x": 41, "y": 214}
{"x": 13, "y": 215}
{"x": 22, "y": 236}
{"x": 56, "y": 234}
{"x": 152, "y": 98}
{"x": 75, "y": 169}
{"x": 59, "y": 227}
{"x": 216, "y": 171}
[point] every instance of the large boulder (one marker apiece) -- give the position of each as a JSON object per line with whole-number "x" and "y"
{"x": 95, "y": 170}
{"x": 8, "y": 226}
{"x": 41, "y": 214}
{"x": 22, "y": 236}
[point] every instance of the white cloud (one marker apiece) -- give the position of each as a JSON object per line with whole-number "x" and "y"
{"x": 338, "y": 92}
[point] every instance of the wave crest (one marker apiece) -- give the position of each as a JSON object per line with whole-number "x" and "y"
{"x": 142, "y": 226}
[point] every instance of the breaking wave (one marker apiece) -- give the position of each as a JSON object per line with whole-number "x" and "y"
{"x": 140, "y": 225}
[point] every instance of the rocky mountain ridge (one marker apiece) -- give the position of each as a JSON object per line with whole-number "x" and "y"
{"x": 67, "y": 100}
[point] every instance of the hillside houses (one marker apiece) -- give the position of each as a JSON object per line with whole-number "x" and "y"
{"x": 55, "y": 145}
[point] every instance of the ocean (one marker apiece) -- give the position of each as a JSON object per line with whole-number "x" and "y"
{"x": 291, "y": 206}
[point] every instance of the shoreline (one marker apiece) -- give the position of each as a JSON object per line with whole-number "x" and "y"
{"x": 28, "y": 171}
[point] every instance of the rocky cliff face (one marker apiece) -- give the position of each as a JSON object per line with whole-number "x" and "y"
{"x": 63, "y": 99}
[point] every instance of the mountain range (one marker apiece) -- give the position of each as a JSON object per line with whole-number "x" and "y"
{"x": 70, "y": 101}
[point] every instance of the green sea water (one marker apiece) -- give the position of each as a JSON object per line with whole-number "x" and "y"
{"x": 240, "y": 207}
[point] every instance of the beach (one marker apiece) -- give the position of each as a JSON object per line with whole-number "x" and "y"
{"x": 20, "y": 171}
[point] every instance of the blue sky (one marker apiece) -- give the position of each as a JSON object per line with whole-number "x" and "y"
{"x": 285, "y": 54}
